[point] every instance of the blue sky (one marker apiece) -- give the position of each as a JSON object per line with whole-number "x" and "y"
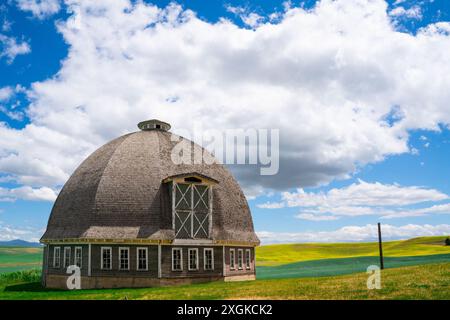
{"x": 378, "y": 130}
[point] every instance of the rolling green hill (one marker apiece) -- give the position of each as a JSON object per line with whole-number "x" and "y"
{"x": 280, "y": 254}
{"x": 416, "y": 269}
{"x": 310, "y": 259}
{"x": 19, "y": 258}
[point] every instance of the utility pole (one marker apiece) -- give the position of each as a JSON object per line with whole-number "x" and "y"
{"x": 380, "y": 246}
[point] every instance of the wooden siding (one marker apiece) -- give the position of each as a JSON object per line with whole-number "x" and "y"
{"x": 61, "y": 269}
{"x": 166, "y": 262}
{"x": 152, "y": 272}
{"x": 115, "y": 272}
{"x": 244, "y": 270}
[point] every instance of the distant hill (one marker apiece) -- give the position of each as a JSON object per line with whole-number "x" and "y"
{"x": 19, "y": 243}
{"x": 279, "y": 254}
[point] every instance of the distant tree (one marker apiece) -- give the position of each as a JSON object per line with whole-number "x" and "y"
{"x": 447, "y": 242}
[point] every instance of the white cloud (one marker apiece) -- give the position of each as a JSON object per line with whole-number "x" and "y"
{"x": 40, "y": 8}
{"x": 435, "y": 209}
{"x": 327, "y": 213}
{"x": 253, "y": 20}
{"x": 6, "y": 93}
{"x": 28, "y": 193}
{"x": 362, "y": 198}
{"x": 8, "y": 233}
{"x": 250, "y": 19}
{"x": 315, "y": 217}
{"x": 11, "y": 48}
{"x": 271, "y": 205}
{"x": 327, "y": 85}
{"x": 355, "y": 233}
{"x": 6, "y": 97}
{"x": 15, "y": 115}
{"x": 6, "y": 25}
{"x": 235, "y": 10}
{"x": 364, "y": 193}
{"x": 415, "y": 12}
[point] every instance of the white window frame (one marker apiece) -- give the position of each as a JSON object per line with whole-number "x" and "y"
{"x": 181, "y": 259}
{"x": 233, "y": 261}
{"x": 146, "y": 258}
{"x": 69, "y": 249}
{"x": 248, "y": 263}
{"x": 102, "y": 249}
{"x": 55, "y": 265}
{"x": 75, "y": 257}
{"x": 196, "y": 259}
{"x": 127, "y": 249}
{"x": 240, "y": 259}
{"x": 204, "y": 258}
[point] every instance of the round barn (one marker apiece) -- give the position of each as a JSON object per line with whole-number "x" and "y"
{"x": 131, "y": 216}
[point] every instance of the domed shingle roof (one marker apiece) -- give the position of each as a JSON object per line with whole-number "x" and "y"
{"x": 118, "y": 193}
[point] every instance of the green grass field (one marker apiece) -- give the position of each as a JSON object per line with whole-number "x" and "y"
{"x": 273, "y": 255}
{"x": 417, "y": 282}
{"x": 16, "y": 259}
{"x": 331, "y": 259}
{"x": 416, "y": 269}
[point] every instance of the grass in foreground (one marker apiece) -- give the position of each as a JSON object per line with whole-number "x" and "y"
{"x": 418, "y": 282}
{"x": 274, "y": 255}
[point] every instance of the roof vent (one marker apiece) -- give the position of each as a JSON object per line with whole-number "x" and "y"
{"x": 154, "y": 125}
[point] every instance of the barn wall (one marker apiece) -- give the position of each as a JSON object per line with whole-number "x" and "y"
{"x": 61, "y": 269}
{"x": 115, "y": 272}
{"x": 244, "y": 270}
{"x": 152, "y": 272}
{"x": 166, "y": 262}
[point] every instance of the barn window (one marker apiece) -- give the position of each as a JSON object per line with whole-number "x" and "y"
{"x": 177, "y": 259}
{"x": 56, "y": 257}
{"x": 240, "y": 258}
{"x": 232, "y": 259}
{"x": 66, "y": 257}
{"x": 78, "y": 257}
{"x": 193, "y": 259}
{"x": 247, "y": 258}
{"x": 208, "y": 259}
{"x": 124, "y": 258}
{"x": 192, "y": 210}
{"x": 106, "y": 255}
{"x": 142, "y": 259}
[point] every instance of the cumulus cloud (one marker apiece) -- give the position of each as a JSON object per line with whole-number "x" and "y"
{"x": 251, "y": 19}
{"x": 415, "y": 12}
{"x": 6, "y": 93}
{"x": 356, "y": 233}
{"x": 362, "y": 198}
{"x": 364, "y": 193}
{"x": 315, "y": 217}
{"x": 28, "y": 193}
{"x": 10, "y": 48}
{"x": 435, "y": 209}
{"x": 8, "y": 233}
{"x": 330, "y": 87}
{"x": 40, "y": 8}
{"x": 8, "y": 103}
